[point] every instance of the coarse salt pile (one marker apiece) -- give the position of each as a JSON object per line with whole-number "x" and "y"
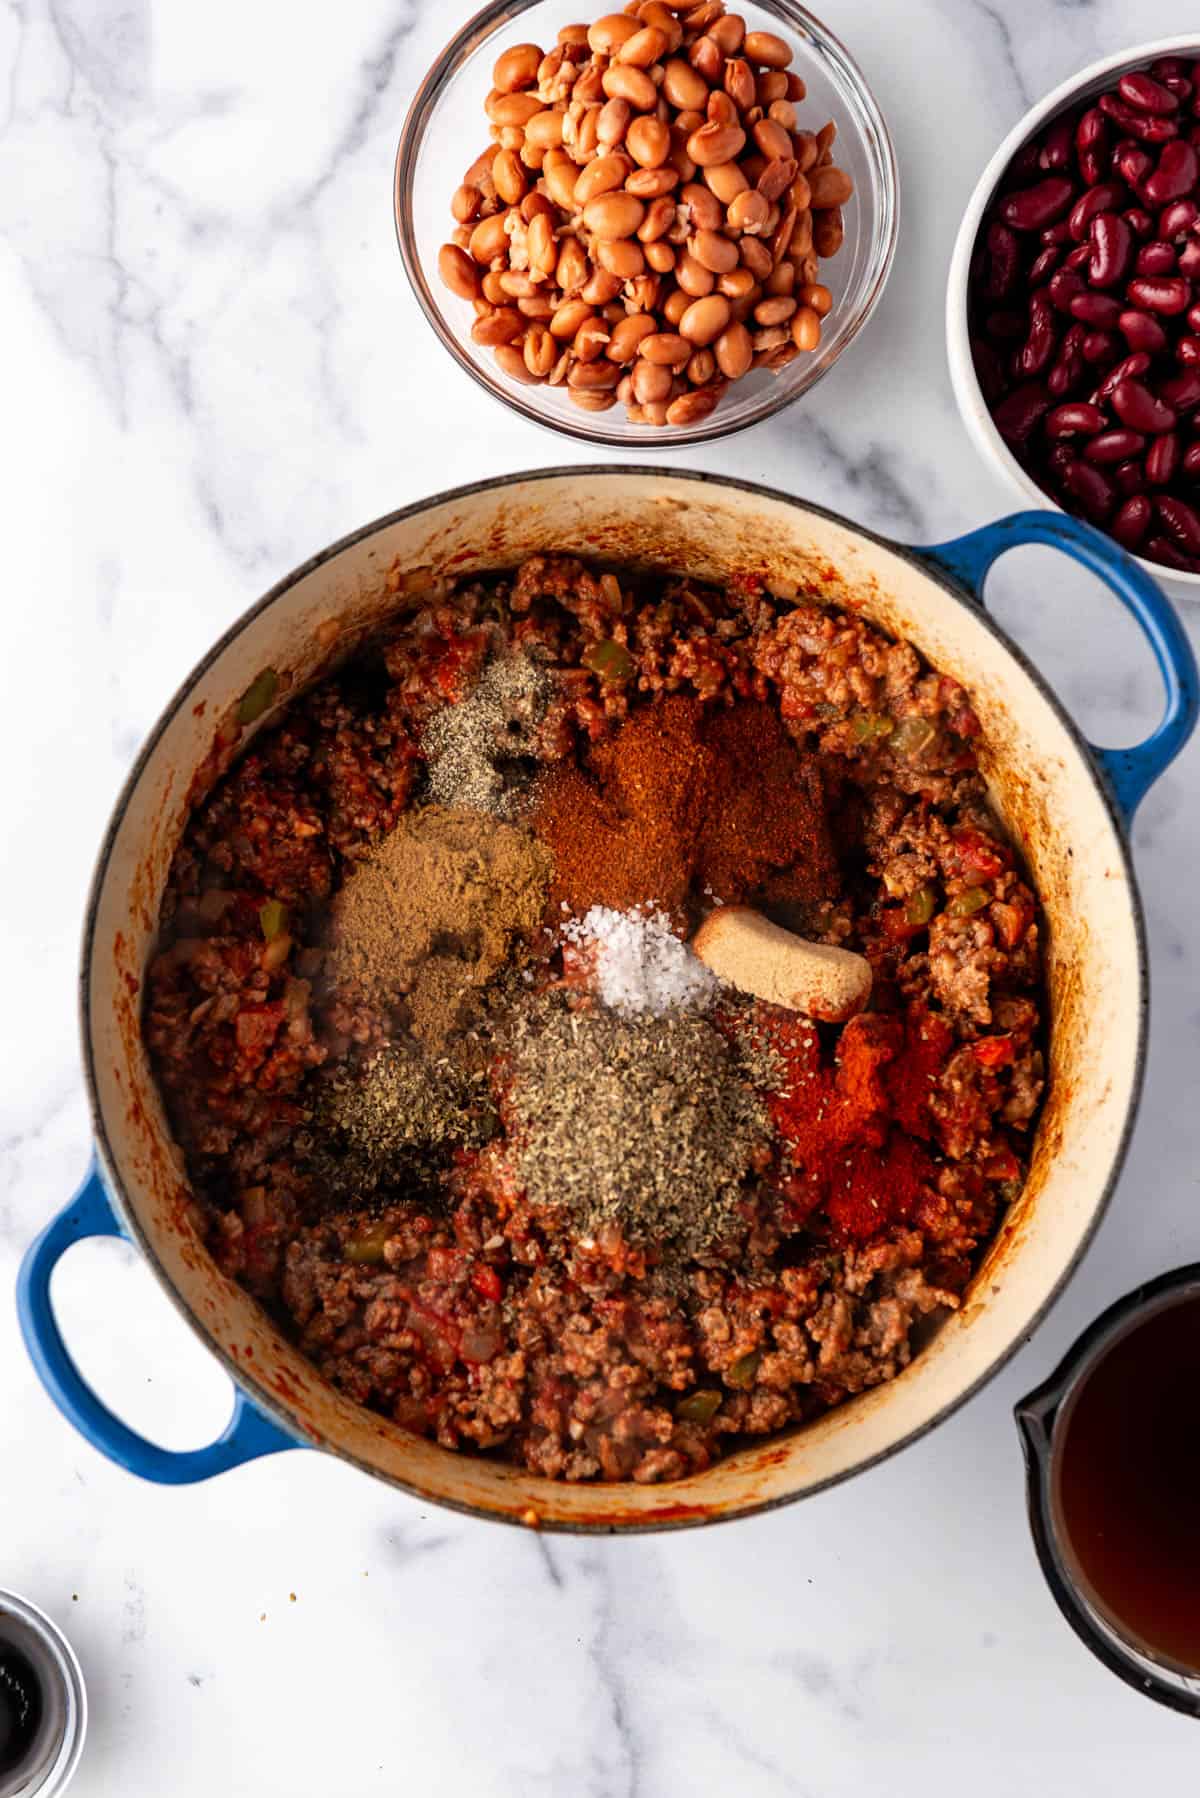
{"x": 641, "y": 965}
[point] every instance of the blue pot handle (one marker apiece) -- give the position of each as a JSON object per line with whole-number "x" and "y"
{"x": 1131, "y": 772}
{"x": 248, "y": 1433}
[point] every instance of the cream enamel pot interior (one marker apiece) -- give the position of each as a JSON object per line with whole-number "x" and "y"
{"x": 1065, "y": 804}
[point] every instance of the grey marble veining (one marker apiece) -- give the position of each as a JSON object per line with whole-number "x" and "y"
{"x": 213, "y": 367}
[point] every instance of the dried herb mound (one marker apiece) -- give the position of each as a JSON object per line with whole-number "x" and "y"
{"x": 643, "y": 1123}
{"x": 389, "y": 1127}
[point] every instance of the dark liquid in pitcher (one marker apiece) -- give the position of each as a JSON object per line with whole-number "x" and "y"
{"x": 1129, "y": 1482}
{"x": 20, "y": 1707}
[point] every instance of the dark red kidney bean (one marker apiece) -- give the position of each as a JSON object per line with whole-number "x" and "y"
{"x": 1175, "y": 176}
{"x": 1162, "y": 459}
{"x": 1172, "y": 68}
{"x": 1155, "y": 259}
{"x": 1147, "y": 94}
{"x": 1079, "y": 257}
{"x": 1132, "y": 521}
{"x": 1112, "y": 249}
{"x": 1136, "y": 406}
{"x": 1178, "y": 85}
{"x": 1060, "y": 459}
{"x": 1100, "y": 309}
{"x": 1130, "y": 477}
{"x": 1107, "y": 197}
{"x": 1032, "y": 207}
{"x": 1020, "y": 412}
{"x": 1139, "y": 221}
{"x": 1092, "y": 488}
{"x": 1004, "y": 261}
{"x": 1099, "y": 346}
{"x": 1193, "y": 136}
{"x": 1193, "y": 317}
{"x": 1044, "y": 265}
{"x": 1059, "y": 234}
{"x": 1191, "y": 462}
{"x": 1161, "y": 549}
{"x": 1142, "y": 331}
{"x": 1177, "y": 219}
{"x": 1065, "y": 285}
{"x": 1091, "y": 145}
{"x": 1042, "y": 341}
{"x": 1074, "y": 417}
{"x": 1023, "y": 166}
{"x": 1131, "y": 368}
{"x": 1068, "y": 371}
{"x": 1114, "y": 446}
{"x": 1132, "y": 163}
{"x": 1055, "y": 152}
{"x": 1182, "y": 391}
{"x": 1181, "y": 522}
{"x": 989, "y": 370}
{"x": 1006, "y": 327}
{"x": 1149, "y": 127}
{"x": 1188, "y": 260}
{"x": 1168, "y": 294}
{"x": 1187, "y": 351}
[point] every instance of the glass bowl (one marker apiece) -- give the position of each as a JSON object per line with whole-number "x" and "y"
{"x": 446, "y": 129}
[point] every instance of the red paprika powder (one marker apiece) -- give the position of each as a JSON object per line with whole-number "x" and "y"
{"x": 853, "y": 1129}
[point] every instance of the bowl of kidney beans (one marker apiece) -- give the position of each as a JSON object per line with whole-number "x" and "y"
{"x": 1073, "y": 308}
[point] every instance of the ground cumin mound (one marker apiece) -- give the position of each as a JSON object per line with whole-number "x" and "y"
{"x": 682, "y": 796}
{"x": 432, "y": 916}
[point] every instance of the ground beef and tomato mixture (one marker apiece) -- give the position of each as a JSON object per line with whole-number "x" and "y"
{"x": 465, "y": 1112}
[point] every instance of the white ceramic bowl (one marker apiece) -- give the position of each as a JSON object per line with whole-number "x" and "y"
{"x": 1093, "y": 80}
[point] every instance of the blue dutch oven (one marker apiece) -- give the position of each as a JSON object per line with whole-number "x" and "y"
{"x": 1067, "y": 803}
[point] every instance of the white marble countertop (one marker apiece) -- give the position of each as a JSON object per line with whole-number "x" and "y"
{"x": 215, "y": 367}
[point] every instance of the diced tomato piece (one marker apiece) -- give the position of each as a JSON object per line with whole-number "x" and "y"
{"x": 896, "y": 927}
{"x": 1002, "y": 1165}
{"x": 487, "y": 1282}
{"x": 994, "y": 1051}
{"x": 964, "y": 723}
{"x": 981, "y": 856}
{"x": 1012, "y": 918}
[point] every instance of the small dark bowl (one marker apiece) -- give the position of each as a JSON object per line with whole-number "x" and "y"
{"x": 1041, "y": 1419}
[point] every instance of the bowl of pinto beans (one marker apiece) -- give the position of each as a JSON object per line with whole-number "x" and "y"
{"x": 1073, "y": 304}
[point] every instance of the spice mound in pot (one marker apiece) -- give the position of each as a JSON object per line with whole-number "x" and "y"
{"x": 682, "y": 796}
{"x": 431, "y": 917}
{"x": 474, "y": 749}
{"x": 644, "y": 1124}
{"x": 465, "y": 1109}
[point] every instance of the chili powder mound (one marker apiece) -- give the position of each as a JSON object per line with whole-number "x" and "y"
{"x": 683, "y": 796}
{"x": 849, "y": 1130}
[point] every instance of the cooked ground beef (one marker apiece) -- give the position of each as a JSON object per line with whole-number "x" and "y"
{"x": 469, "y": 1316}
